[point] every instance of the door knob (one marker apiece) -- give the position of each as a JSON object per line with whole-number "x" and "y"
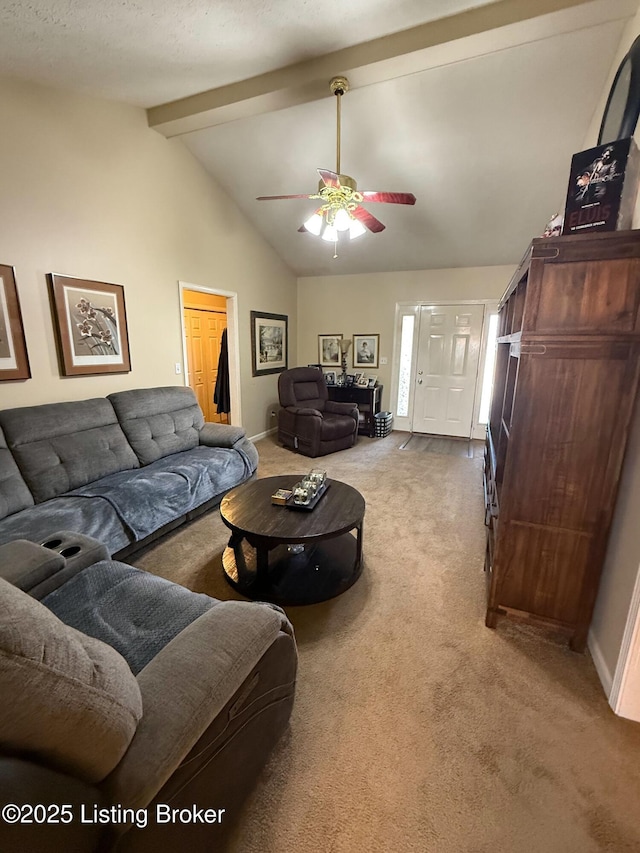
{"x": 419, "y": 381}
{"x": 419, "y": 373}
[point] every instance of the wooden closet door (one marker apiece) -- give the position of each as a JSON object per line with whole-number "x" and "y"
{"x": 203, "y": 335}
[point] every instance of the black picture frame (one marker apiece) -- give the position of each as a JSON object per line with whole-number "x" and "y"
{"x": 269, "y": 343}
{"x": 623, "y": 104}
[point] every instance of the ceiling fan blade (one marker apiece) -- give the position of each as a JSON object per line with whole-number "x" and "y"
{"x": 368, "y": 219}
{"x": 331, "y": 179}
{"x": 274, "y": 197}
{"x": 390, "y": 198}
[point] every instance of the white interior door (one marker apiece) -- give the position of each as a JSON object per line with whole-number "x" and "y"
{"x": 446, "y": 369}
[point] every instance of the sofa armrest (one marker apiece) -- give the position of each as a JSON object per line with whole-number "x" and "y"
{"x": 220, "y": 435}
{"x": 38, "y": 570}
{"x": 185, "y": 687}
{"x": 334, "y": 408}
{"x": 25, "y": 564}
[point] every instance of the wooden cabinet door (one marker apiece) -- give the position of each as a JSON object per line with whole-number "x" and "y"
{"x": 569, "y": 429}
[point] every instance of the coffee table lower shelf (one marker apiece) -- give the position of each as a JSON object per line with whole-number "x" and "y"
{"x": 321, "y": 571}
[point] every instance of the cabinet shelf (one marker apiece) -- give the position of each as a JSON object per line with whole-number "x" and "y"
{"x": 567, "y": 337}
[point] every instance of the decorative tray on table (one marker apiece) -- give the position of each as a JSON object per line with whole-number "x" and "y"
{"x": 313, "y": 502}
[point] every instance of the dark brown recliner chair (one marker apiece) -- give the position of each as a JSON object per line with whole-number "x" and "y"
{"x": 309, "y": 422}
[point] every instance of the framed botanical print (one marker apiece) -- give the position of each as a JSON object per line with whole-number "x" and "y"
{"x": 365, "y": 350}
{"x": 91, "y": 326}
{"x": 14, "y": 362}
{"x": 269, "y": 343}
{"x": 329, "y": 350}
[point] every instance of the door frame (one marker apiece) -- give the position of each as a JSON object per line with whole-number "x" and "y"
{"x": 413, "y": 308}
{"x": 235, "y": 416}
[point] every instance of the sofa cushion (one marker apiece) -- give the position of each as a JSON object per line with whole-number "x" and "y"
{"x": 154, "y": 495}
{"x": 135, "y": 612}
{"x": 92, "y": 516}
{"x": 68, "y": 700}
{"x": 159, "y": 421}
{"x": 14, "y": 493}
{"x": 60, "y": 446}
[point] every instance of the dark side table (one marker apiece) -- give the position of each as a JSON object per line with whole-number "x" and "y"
{"x": 367, "y": 400}
{"x": 263, "y": 559}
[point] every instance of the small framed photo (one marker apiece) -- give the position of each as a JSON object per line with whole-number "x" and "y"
{"x": 357, "y": 377}
{"x": 91, "y": 326}
{"x": 363, "y": 382}
{"x": 268, "y": 343}
{"x": 371, "y": 383}
{"x": 330, "y": 377}
{"x": 365, "y": 350}
{"x": 14, "y": 363}
{"x": 329, "y": 350}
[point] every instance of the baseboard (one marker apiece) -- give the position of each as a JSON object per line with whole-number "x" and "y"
{"x": 263, "y": 434}
{"x": 604, "y": 673}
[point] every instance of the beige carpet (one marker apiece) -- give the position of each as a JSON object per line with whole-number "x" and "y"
{"x": 415, "y": 727}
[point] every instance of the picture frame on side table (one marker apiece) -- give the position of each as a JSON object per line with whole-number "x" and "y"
{"x": 14, "y": 361}
{"x": 372, "y": 381}
{"x": 329, "y": 350}
{"x": 330, "y": 377}
{"x": 363, "y": 382}
{"x": 269, "y": 343}
{"x": 90, "y": 322}
{"x": 365, "y": 350}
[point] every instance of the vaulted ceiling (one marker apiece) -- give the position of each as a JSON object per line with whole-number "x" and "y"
{"x": 475, "y": 107}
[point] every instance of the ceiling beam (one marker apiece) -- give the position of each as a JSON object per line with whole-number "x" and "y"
{"x": 485, "y": 29}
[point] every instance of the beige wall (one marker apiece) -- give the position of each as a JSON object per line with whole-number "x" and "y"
{"x": 89, "y": 190}
{"x": 623, "y": 554}
{"x": 361, "y": 304}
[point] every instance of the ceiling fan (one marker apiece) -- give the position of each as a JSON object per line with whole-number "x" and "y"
{"x": 341, "y": 209}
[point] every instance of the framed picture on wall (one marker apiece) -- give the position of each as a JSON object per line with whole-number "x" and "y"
{"x": 269, "y": 344}
{"x": 14, "y": 362}
{"x": 91, "y": 326}
{"x": 329, "y": 350}
{"x": 365, "y": 350}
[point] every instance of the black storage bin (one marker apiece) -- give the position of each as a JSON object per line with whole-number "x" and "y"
{"x": 383, "y": 423}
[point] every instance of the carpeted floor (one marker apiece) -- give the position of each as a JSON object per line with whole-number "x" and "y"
{"x": 416, "y": 728}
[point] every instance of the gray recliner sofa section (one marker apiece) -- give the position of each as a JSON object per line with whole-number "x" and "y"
{"x": 123, "y": 469}
{"x": 125, "y": 695}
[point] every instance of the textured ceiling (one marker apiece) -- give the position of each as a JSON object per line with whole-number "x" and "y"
{"x": 478, "y": 114}
{"x": 147, "y": 52}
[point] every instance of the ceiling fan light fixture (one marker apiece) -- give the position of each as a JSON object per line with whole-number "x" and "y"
{"x": 341, "y": 211}
{"x": 314, "y": 224}
{"x": 330, "y": 234}
{"x": 342, "y": 220}
{"x": 356, "y": 229}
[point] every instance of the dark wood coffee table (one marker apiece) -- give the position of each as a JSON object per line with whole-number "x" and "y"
{"x": 259, "y": 561}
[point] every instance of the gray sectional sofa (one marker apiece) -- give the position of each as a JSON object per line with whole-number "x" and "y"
{"x": 123, "y": 469}
{"x": 125, "y": 694}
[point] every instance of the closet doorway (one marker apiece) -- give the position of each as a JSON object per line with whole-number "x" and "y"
{"x": 205, "y": 320}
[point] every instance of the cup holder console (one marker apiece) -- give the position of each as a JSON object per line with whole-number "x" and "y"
{"x": 78, "y": 550}
{"x": 69, "y": 552}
